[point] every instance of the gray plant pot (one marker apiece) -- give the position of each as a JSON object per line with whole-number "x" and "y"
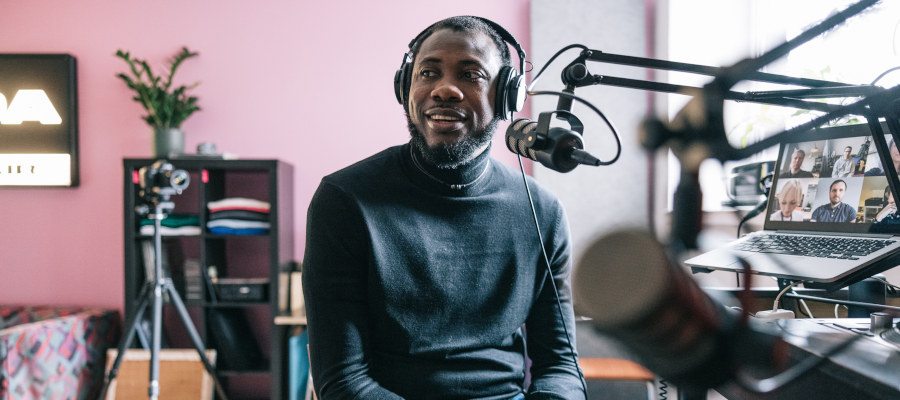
{"x": 168, "y": 142}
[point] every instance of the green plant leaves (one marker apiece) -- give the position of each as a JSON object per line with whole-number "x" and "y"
{"x": 166, "y": 108}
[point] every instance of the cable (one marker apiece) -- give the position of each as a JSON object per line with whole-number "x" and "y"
{"x": 550, "y": 61}
{"x": 663, "y": 389}
{"x": 612, "y": 128}
{"x": 881, "y": 307}
{"x": 805, "y": 365}
{"x": 884, "y": 73}
{"x": 778, "y": 298}
{"x": 805, "y": 306}
{"x": 537, "y": 226}
{"x": 891, "y": 288}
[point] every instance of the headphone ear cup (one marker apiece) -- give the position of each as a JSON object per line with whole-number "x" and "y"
{"x": 510, "y": 96}
{"x": 398, "y": 85}
{"x": 501, "y": 99}
{"x": 401, "y": 80}
{"x": 516, "y": 93}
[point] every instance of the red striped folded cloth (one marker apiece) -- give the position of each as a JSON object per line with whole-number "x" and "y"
{"x": 238, "y": 203}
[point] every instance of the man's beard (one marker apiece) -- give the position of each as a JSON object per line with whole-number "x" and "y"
{"x": 454, "y": 155}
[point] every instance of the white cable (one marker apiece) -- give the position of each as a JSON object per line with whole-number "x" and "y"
{"x": 777, "y": 298}
{"x": 805, "y": 307}
{"x": 803, "y": 303}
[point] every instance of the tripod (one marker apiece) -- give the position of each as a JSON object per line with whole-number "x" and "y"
{"x": 152, "y": 294}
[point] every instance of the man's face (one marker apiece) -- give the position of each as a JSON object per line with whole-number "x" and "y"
{"x": 837, "y": 192}
{"x": 451, "y": 93}
{"x": 847, "y": 153}
{"x": 797, "y": 161}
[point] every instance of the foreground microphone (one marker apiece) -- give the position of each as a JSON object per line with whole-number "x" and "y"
{"x": 633, "y": 293}
{"x": 556, "y": 148}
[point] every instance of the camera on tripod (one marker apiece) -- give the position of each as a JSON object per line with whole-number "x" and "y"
{"x": 161, "y": 180}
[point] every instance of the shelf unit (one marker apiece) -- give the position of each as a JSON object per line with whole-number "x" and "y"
{"x": 227, "y": 326}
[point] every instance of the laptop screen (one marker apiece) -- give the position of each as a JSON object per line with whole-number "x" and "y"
{"x": 831, "y": 180}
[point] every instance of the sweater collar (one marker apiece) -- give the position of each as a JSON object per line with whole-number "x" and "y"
{"x": 458, "y": 180}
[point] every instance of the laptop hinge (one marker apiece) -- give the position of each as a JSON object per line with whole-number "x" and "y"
{"x": 842, "y": 234}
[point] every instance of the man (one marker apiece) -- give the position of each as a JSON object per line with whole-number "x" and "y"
{"x": 421, "y": 264}
{"x": 895, "y": 158}
{"x": 796, "y": 163}
{"x": 836, "y": 211}
{"x": 843, "y": 167}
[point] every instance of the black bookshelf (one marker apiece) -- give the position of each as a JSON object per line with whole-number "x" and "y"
{"x": 252, "y": 348}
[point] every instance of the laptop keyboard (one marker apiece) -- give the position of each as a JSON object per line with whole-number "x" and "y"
{"x": 813, "y": 246}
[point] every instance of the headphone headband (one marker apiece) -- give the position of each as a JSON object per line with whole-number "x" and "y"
{"x": 504, "y": 34}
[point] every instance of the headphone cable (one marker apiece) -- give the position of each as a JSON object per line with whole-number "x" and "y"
{"x": 552, "y": 281}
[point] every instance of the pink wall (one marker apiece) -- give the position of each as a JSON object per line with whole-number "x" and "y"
{"x": 308, "y": 82}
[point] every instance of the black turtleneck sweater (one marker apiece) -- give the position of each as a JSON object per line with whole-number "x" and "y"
{"x": 418, "y": 290}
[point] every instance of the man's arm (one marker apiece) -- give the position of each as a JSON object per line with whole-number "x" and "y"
{"x": 849, "y": 213}
{"x": 334, "y": 288}
{"x": 554, "y": 369}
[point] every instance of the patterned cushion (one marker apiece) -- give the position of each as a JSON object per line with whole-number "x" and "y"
{"x": 54, "y": 352}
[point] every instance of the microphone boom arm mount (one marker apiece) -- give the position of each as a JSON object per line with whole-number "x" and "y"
{"x": 698, "y": 131}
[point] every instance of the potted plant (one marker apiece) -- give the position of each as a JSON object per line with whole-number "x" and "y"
{"x": 167, "y": 106}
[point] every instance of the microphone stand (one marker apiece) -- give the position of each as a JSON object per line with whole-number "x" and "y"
{"x": 698, "y": 132}
{"x": 152, "y": 295}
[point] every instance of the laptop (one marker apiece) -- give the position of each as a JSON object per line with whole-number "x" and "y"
{"x": 829, "y": 191}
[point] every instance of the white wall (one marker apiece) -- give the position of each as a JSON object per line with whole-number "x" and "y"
{"x": 598, "y": 199}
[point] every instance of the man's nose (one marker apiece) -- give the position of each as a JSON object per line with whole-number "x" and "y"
{"x": 446, "y": 90}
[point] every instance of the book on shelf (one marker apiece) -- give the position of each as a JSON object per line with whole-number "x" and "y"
{"x": 193, "y": 281}
{"x": 298, "y": 366}
{"x": 298, "y": 306}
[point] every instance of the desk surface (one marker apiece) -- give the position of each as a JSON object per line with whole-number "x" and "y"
{"x": 869, "y": 368}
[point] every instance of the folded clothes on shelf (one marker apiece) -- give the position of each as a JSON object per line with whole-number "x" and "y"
{"x": 238, "y": 203}
{"x": 238, "y": 216}
{"x": 173, "y": 225}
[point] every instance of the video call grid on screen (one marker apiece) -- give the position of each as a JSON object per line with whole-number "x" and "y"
{"x": 861, "y": 176}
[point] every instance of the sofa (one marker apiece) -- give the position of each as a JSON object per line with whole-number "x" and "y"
{"x": 50, "y": 352}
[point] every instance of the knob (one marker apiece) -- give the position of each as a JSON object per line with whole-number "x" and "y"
{"x": 880, "y": 321}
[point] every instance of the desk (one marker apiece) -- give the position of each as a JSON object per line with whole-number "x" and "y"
{"x": 868, "y": 369}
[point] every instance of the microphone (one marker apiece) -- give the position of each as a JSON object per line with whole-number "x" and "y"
{"x": 633, "y": 293}
{"x": 556, "y": 148}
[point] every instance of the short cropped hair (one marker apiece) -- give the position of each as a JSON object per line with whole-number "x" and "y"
{"x": 465, "y": 23}
{"x": 836, "y": 181}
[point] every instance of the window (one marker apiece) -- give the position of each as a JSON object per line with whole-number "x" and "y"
{"x": 716, "y": 33}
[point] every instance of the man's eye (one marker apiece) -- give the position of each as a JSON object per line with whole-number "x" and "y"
{"x": 473, "y": 75}
{"x": 427, "y": 73}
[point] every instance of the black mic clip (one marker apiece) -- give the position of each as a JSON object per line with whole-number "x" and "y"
{"x": 556, "y": 148}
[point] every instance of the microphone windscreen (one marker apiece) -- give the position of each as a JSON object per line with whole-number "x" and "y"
{"x": 627, "y": 285}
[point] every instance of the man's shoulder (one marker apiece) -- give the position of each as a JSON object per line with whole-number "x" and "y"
{"x": 372, "y": 166}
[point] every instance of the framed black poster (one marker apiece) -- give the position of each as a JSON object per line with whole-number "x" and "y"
{"x": 38, "y": 120}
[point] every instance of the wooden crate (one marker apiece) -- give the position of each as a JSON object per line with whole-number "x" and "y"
{"x": 181, "y": 375}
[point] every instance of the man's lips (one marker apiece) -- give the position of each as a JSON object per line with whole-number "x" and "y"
{"x": 444, "y": 114}
{"x": 444, "y": 119}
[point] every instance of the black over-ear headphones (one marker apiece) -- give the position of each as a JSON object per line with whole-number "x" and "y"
{"x": 510, "y": 93}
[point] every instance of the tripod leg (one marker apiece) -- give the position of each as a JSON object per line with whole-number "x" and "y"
{"x": 153, "y": 389}
{"x": 128, "y": 338}
{"x": 195, "y": 337}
